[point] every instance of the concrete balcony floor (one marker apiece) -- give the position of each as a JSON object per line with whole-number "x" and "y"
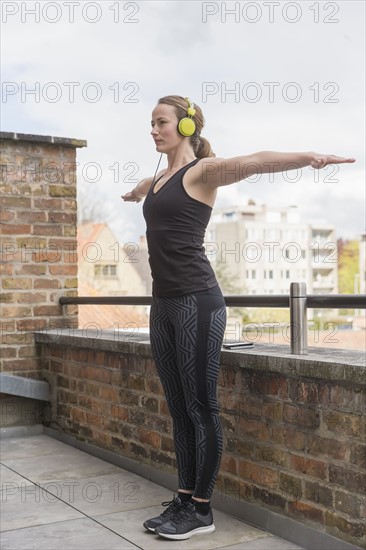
{"x": 54, "y": 496}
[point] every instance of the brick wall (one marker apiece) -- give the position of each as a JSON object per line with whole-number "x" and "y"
{"x": 294, "y": 429}
{"x": 38, "y": 242}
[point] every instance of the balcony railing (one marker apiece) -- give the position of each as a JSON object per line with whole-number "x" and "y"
{"x": 298, "y": 301}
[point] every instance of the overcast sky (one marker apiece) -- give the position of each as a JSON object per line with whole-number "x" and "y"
{"x": 281, "y": 76}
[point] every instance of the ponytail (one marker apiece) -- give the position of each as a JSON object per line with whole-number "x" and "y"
{"x": 202, "y": 147}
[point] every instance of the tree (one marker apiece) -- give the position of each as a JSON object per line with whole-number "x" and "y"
{"x": 348, "y": 266}
{"x": 229, "y": 286}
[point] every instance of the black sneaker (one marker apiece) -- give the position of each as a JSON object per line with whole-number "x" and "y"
{"x": 173, "y": 506}
{"x": 186, "y": 523}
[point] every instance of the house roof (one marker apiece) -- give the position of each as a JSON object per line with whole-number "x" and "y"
{"x": 89, "y": 232}
{"x": 109, "y": 316}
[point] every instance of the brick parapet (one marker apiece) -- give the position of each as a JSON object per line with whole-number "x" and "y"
{"x": 38, "y": 261}
{"x": 294, "y": 442}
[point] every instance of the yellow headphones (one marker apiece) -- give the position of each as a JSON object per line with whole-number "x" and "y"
{"x": 187, "y": 126}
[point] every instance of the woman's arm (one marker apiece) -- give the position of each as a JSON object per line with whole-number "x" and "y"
{"x": 217, "y": 172}
{"x": 140, "y": 191}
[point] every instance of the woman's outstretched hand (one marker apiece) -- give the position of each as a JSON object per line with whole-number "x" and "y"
{"x": 131, "y": 197}
{"x": 320, "y": 161}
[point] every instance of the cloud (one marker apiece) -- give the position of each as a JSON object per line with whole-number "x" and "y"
{"x": 221, "y": 66}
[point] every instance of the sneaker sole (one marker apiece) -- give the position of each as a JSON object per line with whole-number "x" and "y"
{"x": 151, "y": 529}
{"x": 182, "y": 536}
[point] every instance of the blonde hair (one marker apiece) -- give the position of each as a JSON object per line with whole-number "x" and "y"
{"x": 200, "y": 145}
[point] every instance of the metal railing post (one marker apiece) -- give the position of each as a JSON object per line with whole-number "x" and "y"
{"x": 298, "y": 319}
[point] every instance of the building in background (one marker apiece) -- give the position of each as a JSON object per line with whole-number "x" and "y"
{"x": 265, "y": 249}
{"x": 107, "y": 267}
{"x": 362, "y": 273}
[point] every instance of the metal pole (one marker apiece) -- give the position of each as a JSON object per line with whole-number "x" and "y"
{"x": 298, "y": 319}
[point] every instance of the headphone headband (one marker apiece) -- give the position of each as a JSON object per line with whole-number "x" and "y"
{"x": 191, "y": 111}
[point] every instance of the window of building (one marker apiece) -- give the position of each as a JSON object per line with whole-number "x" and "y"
{"x": 105, "y": 270}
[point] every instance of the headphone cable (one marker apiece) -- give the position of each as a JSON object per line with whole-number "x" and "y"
{"x": 161, "y": 154}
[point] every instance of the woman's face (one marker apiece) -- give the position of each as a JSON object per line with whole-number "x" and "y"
{"x": 164, "y": 130}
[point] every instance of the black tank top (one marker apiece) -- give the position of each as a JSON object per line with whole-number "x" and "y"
{"x": 175, "y": 231}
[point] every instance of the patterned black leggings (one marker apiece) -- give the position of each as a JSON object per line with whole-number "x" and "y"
{"x": 186, "y": 335}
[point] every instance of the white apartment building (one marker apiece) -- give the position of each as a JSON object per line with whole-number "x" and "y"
{"x": 266, "y": 249}
{"x": 361, "y": 287}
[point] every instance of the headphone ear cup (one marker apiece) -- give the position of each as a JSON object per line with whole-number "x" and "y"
{"x": 186, "y": 127}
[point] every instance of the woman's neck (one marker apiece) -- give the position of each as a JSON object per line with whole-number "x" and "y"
{"x": 178, "y": 158}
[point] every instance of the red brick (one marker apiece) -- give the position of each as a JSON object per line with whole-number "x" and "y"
{"x": 149, "y": 403}
{"x": 167, "y": 444}
{"x": 305, "y": 392}
{"x": 229, "y": 464}
{"x": 7, "y": 352}
{"x": 334, "y": 448}
{"x": 6, "y": 269}
{"x": 301, "y": 415}
{"x": 8, "y": 297}
{"x": 349, "y": 478}
{"x": 119, "y": 413}
{"x": 309, "y": 466}
{"x": 46, "y": 283}
{"x": 98, "y": 374}
{"x": 21, "y": 365}
{"x": 6, "y": 216}
{"x": 109, "y": 393}
{"x": 30, "y": 270}
{"x": 349, "y": 424}
{"x": 62, "y": 191}
{"x": 32, "y": 324}
{"x": 50, "y": 230}
{"x": 71, "y": 283}
{"x": 15, "y": 229}
{"x": 269, "y": 498}
{"x": 348, "y": 503}
{"x": 31, "y": 298}
{"x": 353, "y": 528}
{"x": 253, "y": 428}
{"x": 290, "y": 484}
{"x": 342, "y": 397}
{"x": 308, "y": 511}
{"x": 258, "y": 473}
{"x": 26, "y": 351}
{"x": 78, "y": 415}
{"x": 16, "y": 202}
{"x": 358, "y": 455}
{"x": 319, "y": 493}
{"x": 48, "y": 204}
{"x": 49, "y": 255}
{"x": 40, "y": 311}
{"x": 150, "y": 438}
{"x": 16, "y": 311}
{"x": 163, "y": 407}
{"x": 228, "y": 378}
{"x": 17, "y": 283}
{"x": 262, "y": 383}
{"x": 290, "y": 437}
{"x": 7, "y": 326}
{"x": 234, "y": 489}
{"x": 31, "y": 216}
{"x": 62, "y": 218}
{"x": 63, "y": 269}
{"x": 154, "y": 386}
{"x": 11, "y": 338}
{"x": 273, "y": 455}
{"x": 244, "y": 448}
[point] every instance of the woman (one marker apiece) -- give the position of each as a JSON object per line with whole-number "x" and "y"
{"x": 188, "y": 314}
